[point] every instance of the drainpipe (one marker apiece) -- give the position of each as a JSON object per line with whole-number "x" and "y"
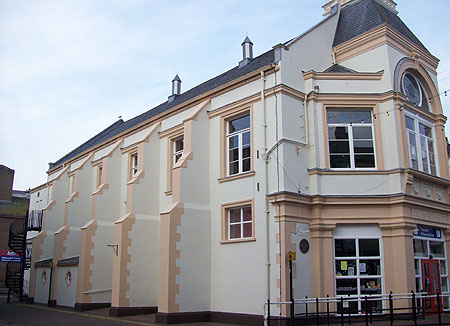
{"x": 305, "y": 112}
{"x": 266, "y": 161}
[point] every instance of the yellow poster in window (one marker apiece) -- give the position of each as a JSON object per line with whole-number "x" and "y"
{"x": 343, "y": 265}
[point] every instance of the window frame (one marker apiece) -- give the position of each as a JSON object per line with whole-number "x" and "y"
{"x": 225, "y": 223}
{"x": 240, "y": 147}
{"x": 418, "y": 120}
{"x": 133, "y": 170}
{"x": 99, "y": 178}
{"x": 358, "y": 276}
{"x": 351, "y": 140}
{"x": 175, "y": 153}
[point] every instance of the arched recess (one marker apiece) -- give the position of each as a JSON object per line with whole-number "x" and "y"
{"x": 416, "y": 69}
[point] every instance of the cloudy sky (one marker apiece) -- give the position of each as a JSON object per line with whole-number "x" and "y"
{"x": 68, "y": 69}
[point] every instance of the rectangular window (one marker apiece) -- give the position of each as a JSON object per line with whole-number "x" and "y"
{"x": 420, "y": 140}
{"x": 238, "y": 145}
{"x": 358, "y": 273}
{"x": 350, "y": 139}
{"x": 133, "y": 164}
{"x": 99, "y": 175}
{"x": 238, "y": 222}
{"x": 178, "y": 145}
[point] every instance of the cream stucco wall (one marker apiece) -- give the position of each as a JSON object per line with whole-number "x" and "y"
{"x": 66, "y": 292}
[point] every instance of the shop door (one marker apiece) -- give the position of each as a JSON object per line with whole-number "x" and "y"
{"x": 431, "y": 283}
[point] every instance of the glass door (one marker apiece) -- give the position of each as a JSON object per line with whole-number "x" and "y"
{"x": 431, "y": 283}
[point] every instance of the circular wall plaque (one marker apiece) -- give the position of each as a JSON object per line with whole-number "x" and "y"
{"x": 304, "y": 246}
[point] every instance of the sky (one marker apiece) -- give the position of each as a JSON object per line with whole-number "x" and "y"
{"x": 69, "y": 69}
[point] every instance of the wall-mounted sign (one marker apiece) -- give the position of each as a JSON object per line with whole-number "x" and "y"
{"x": 427, "y": 232}
{"x": 292, "y": 255}
{"x": 9, "y": 256}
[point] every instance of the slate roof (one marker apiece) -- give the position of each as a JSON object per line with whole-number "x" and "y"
{"x": 72, "y": 261}
{"x": 340, "y": 69}
{"x": 120, "y": 126}
{"x": 364, "y": 15}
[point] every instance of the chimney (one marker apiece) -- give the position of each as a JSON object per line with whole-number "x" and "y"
{"x": 247, "y": 52}
{"x": 176, "y": 88}
{"x": 331, "y": 6}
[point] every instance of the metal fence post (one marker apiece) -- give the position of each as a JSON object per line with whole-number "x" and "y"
{"x": 268, "y": 312}
{"x": 349, "y": 311}
{"x": 342, "y": 311}
{"x": 414, "y": 307}
{"x": 366, "y": 305}
{"x": 439, "y": 308}
{"x": 328, "y": 310}
{"x": 391, "y": 309}
{"x": 292, "y": 313}
{"x": 317, "y": 311}
{"x": 306, "y": 309}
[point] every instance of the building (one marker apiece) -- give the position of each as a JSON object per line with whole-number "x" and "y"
{"x": 13, "y": 209}
{"x": 330, "y": 146}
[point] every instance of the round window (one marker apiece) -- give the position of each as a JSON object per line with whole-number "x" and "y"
{"x": 411, "y": 88}
{"x": 44, "y": 277}
{"x": 68, "y": 278}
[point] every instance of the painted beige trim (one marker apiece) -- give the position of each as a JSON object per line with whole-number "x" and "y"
{"x": 422, "y": 74}
{"x": 250, "y": 77}
{"x": 168, "y": 270}
{"x": 174, "y": 134}
{"x": 236, "y": 176}
{"x": 38, "y": 188}
{"x": 59, "y": 250}
{"x": 234, "y": 107}
{"x": 72, "y": 197}
{"x": 358, "y": 98}
{"x": 285, "y": 90}
{"x": 144, "y": 139}
{"x": 100, "y": 189}
{"x": 383, "y": 35}
{"x": 108, "y": 154}
{"x": 342, "y": 76}
{"x": 86, "y": 259}
{"x": 224, "y": 219}
{"x": 86, "y": 159}
{"x": 354, "y": 172}
{"x": 36, "y": 255}
{"x": 194, "y": 114}
{"x": 229, "y": 114}
{"x": 120, "y": 285}
{"x": 171, "y": 131}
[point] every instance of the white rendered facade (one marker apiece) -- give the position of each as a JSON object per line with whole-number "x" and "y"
{"x": 255, "y": 177}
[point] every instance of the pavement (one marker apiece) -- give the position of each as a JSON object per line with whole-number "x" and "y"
{"x": 19, "y": 313}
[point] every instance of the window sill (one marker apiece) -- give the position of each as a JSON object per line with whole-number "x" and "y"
{"x": 168, "y": 192}
{"x": 236, "y": 176}
{"x": 237, "y": 240}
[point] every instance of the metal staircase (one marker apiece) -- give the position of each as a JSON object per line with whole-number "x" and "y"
{"x": 17, "y": 242}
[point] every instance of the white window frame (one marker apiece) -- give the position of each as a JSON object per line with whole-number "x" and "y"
{"x": 174, "y": 151}
{"x": 351, "y": 140}
{"x": 419, "y": 120}
{"x": 241, "y": 222}
{"x": 133, "y": 164}
{"x": 363, "y": 233}
{"x": 240, "y": 134}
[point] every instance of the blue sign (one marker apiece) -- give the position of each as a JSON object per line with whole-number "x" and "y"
{"x": 428, "y": 232}
{"x": 9, "y": 256}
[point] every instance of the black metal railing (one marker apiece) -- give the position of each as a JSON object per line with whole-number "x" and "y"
{"x": 35, "y": 220}
{"x": 406, "y": 309}
{"x": 17, "y": 236}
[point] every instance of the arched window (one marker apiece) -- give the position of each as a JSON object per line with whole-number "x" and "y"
{"x": 414, "y": 91}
